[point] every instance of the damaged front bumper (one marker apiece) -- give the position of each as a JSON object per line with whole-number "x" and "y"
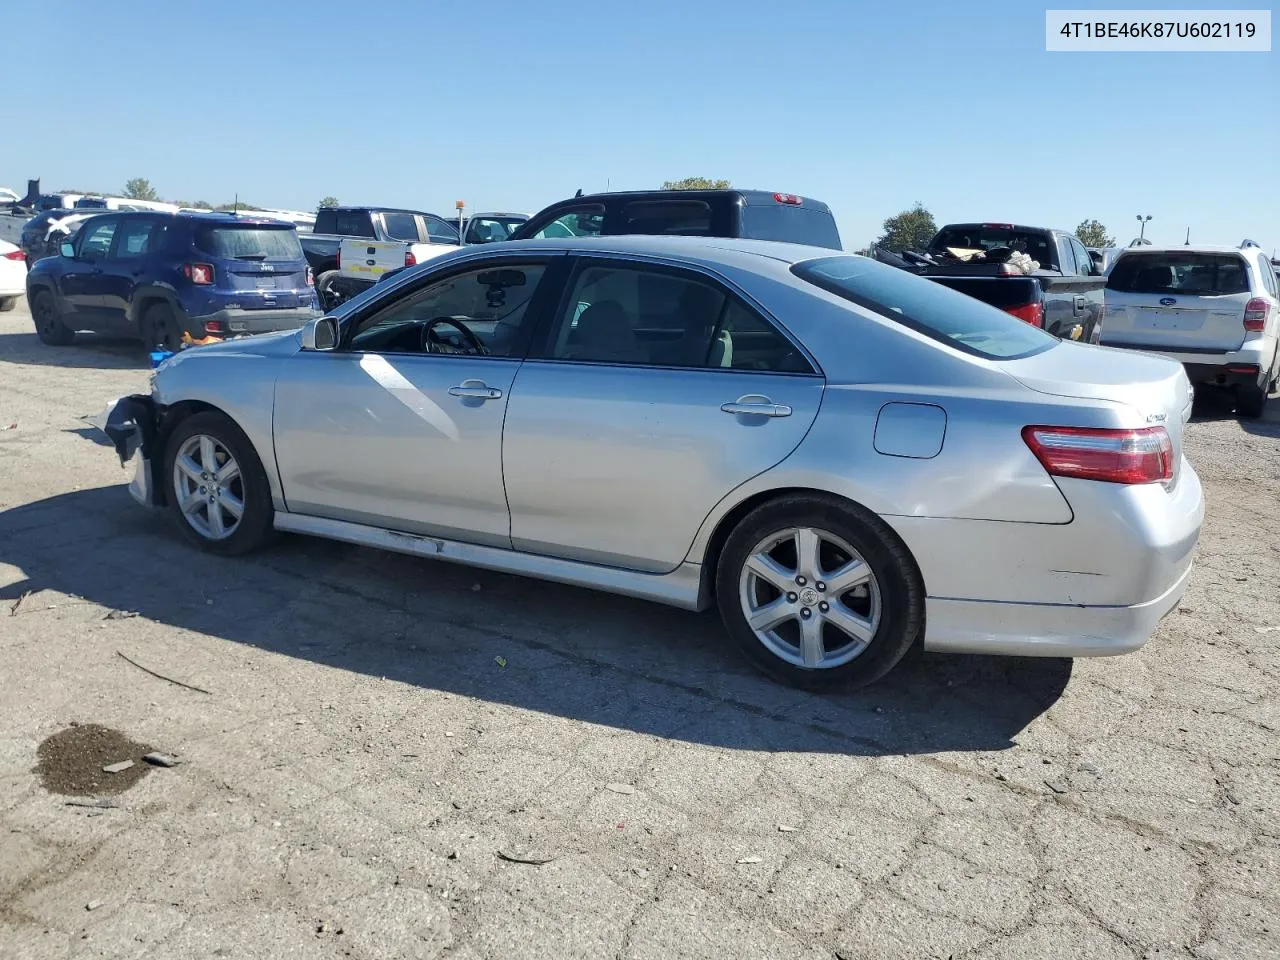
{"x": 133, "y": 425}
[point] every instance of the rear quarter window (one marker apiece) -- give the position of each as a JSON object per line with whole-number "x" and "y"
{"x": 1176, "y": 272}
{"x": 248, "y": 243}
{"x": 685, "y": 218}
{"x": 944, "y": 315}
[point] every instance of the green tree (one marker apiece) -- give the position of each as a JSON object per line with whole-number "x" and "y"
{"x": 328, "y": 202}
{"x": 908, "y": 230}
{"x": 696, "y": 183}
{"x": 1093, "y": 234}
{"x": 140, "y": 188}
{"x": 202, "y": 205}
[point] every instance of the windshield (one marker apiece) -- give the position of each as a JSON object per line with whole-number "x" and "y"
{"x": 249, "y": 242}
{"x": 929, "y": 308}
{"x": 1190, "y": 274}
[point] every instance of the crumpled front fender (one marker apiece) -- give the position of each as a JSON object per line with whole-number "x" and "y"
{"x": 133, "y": 426}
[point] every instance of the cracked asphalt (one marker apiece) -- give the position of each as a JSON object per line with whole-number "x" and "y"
{"x": 379, "y": 732}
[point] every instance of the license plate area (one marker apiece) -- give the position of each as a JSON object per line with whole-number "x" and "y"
{"x": 1156, "y": 319}
{"x": 264, "y": 283}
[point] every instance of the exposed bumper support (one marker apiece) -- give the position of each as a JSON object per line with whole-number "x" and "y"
{"x": 133, "y": 426}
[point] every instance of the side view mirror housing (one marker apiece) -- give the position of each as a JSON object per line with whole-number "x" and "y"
{"x": 68, "y": 250}
{"x": 320, "y": 334}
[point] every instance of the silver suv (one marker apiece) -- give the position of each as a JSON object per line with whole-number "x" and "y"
{"x": 1216, "y": 310}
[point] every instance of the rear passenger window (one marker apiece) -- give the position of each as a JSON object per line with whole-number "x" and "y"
{"x": 401, "y": 226}
{"x": 641, "y": 316}
{"x": 671, "y": 217}
{"x": 353, "y": 223}
{"x": 134, "y": 239}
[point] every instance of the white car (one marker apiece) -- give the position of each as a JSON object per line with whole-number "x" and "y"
{"x": 13, "y": 275}
{"x": 1214, "y": 309}
{"x": 8, "y": 196}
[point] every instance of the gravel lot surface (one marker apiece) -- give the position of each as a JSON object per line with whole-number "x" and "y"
{"x": 384, "y": 741}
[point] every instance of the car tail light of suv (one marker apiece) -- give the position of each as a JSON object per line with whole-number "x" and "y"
{"x": 311, "y": 278}
{"x": 15, "y": 255}
{"x": 1032, "y": 313}
{"x": 1114, "y": 456}
{"x": 1255, "y": 314}
{"x": 409, "y": 259}
{"x": 201, "y": 273}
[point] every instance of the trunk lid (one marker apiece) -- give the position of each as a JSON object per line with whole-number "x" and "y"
{"x": 1156, "y": 387}
{"x": 1177, "y": 300}
{"x": 259, "y": 265}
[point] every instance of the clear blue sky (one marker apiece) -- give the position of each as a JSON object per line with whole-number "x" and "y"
{"x": 869, "y": 106}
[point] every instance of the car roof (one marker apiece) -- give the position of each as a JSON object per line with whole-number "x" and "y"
{"x": 708, "y": 250}
{"x": 998, "y": 223}
{"x": 1190, "y": 248}
{"x": 366, "y": 209}
{"x": 493, "y": 213}
{"x": 748, "y": 195}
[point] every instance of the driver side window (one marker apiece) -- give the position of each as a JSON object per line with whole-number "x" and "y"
{"x": 478, "y": 313}
{"x": 97, "y": 239}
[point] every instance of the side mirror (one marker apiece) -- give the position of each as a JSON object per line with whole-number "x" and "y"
{"x": 320, "y": 334}
{"x": 68, "y": 250}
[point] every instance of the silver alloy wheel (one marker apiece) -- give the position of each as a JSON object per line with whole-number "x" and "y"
{"x": 208, "y": 487}
{"x": 810, "y": 598}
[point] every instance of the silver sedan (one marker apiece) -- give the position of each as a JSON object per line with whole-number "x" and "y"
{"x": 847, "y": 460}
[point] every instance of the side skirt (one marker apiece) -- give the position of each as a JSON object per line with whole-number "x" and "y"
{"x": 680, "y": 588}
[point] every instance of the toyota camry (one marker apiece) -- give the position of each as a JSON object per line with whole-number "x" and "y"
{"x": 844, "y": 459}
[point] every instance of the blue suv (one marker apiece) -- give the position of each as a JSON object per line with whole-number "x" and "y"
{"x": 159, "y": 275}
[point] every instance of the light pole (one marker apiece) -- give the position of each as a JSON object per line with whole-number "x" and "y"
{"x": 1142, "y": 226}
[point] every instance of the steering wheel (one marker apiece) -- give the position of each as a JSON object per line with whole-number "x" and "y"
{"x": 430, "y": 344}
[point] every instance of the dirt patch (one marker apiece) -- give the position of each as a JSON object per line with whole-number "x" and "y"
{"x": 71, "y": 761}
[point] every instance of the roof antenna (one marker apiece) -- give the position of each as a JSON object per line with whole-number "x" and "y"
{"x": 1188, "y": 243}
{"x": 235, "y": 205}
{"x": 578, "y": 194}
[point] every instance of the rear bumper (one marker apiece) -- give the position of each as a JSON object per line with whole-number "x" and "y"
{"x": 235, "y": 320}
{"x": 1092, "y": 587}
{"x": 1245, "y": 366}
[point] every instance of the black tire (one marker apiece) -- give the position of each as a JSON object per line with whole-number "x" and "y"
{"x": 255, "y": 528}
{"x": 328, "y": 297}
{"x": 900, "y": 589}
{"x": 1251, "y": 401}
{"x": 159, "y": 327}
{"x": 49, "y": 326}
{"x": 7, "y": 304}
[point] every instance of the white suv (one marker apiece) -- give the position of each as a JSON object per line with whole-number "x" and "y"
{"x": 1216, "y": 310}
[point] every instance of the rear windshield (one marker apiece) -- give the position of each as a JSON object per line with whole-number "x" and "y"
{"x": 249, "y": 243}
{"x": 1176, "y": 272}
{"x": 924, "y": 306}
{"x": 788, "y": 223}
{"x": 978, "y": 236}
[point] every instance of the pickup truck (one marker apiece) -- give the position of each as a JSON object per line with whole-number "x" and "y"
{"x": 351, "y": 247}
{"x": 1063, "y": 294}
{"x": 755, "y": 214}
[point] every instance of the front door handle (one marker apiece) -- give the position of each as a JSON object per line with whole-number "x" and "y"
{"x": 475, "y": 390}
{"x": 755, "y": 405}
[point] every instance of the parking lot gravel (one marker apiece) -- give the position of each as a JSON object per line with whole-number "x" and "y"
{"x": 389, "y": 757}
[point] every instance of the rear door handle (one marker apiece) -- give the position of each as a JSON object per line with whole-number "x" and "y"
{"x": 475, "y": 390}
{"x": 754, "y": 405}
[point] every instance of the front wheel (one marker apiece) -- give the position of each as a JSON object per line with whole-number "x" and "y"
{"x": 819, "y": 593}
{"x": 49, "y": 326}
{"x": 218, "y": 491}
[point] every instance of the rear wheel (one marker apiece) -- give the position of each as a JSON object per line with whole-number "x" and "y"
{"x": 7, "y": 304}
{"x": 49, "y": 326}
{"x": 1251, "y": 401}
{"x": 218, "y": 491}
{"x": 819, "y": 593}
{"x": 160, "y": 328}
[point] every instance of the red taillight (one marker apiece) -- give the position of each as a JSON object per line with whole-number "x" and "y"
{"x": 214, "y": 326}
{"x": 409, "y": 259}
{"x": 788, "y": 198}
{"x": 201, "y": 273}
{"x": 15, "y": 255}
{"x": 1032, "y": 313}
{"x": 997, "y": 226}
{"x": 1113, "y": 456}
{"x": 311, "y": 278}
{"x": 1255, "y": 314}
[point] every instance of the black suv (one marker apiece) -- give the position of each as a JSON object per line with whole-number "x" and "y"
{"x": 752, "y": 214}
